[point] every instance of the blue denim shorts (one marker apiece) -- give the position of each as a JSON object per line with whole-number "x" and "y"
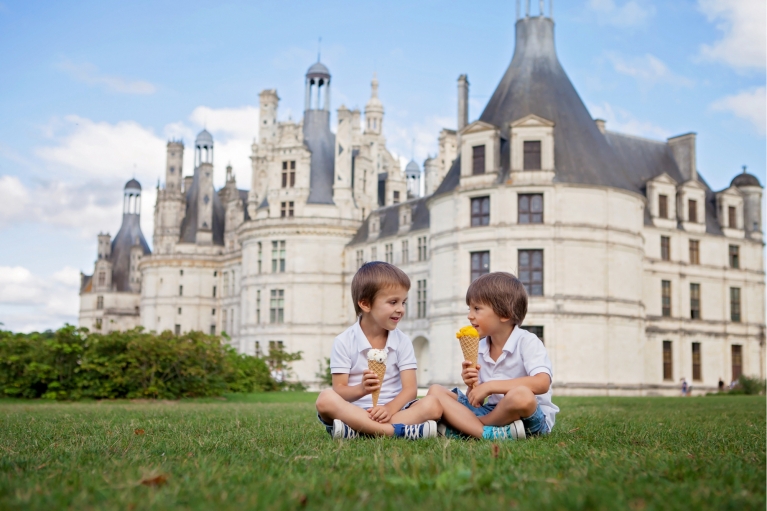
{"x": 329, "y": 427}
{"x": 534, "y": 425}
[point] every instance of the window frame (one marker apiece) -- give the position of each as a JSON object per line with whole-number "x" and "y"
{"x": 695, "y": 301}
{"x": 530, "y": 282}
{"x": 694, "y": 247}
{"x": 478, "y": 155}
{"x": 736, "y": 355}
{"x": 479, "y": 208}
{"x": 528, "y": 215}
{"x": 665, "y": 248}
{"x": 668, "y": 361}
{"x": 532, "y": 159}
{"x": 662, "y": 205}
{"x": 697, "y": 365}
{"x": 733, "y": 256}
{"x": 692, "y": 211}
{"x": 277, "y": 306}
{"x": 735, "y": 305}
{"x": 732, "y": 217}
{"x": 665, "y": 295}
{"x": 482, "y": 266}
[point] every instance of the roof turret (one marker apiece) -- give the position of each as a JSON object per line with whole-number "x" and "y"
{"x": 745, "y": 179}
{"x": 318, "y": 70}
{"x": 132, "y": 185}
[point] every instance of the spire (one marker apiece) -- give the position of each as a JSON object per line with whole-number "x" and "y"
{"x": 374, "y": 86}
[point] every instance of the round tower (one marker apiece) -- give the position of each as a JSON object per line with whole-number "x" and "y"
{"x": 413, "y": 176}
{"x": 203, "y": 148}
{"x": 132, "y": 198}
{"x": 317, "y": 76}
{"x": 374, "y": 110}
{"x": 749, "y": 185}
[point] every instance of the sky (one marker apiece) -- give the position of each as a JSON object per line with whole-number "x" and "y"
{"x": 91, "y": 91}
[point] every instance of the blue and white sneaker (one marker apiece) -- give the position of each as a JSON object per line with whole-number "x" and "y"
{"x": 514, "y": 431}
{"x": 342, "y": 432}
{"x": 426, "y": 429}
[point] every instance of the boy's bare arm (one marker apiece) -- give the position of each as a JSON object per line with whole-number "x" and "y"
{"x": 352, "y": 393}
{"x": 407, "y": 394}
{"x": 538, "y": 384}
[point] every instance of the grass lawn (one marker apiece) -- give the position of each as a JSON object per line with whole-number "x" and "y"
{"x": 268, "y": 451}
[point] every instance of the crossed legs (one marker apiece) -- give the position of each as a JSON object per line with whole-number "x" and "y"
{"x": 332, "y": 406}
{"x": 517, "y": 403}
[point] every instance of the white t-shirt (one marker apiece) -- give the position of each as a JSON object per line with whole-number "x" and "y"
{"x": 349, "y": 356}
{"x": 523, "y": 355}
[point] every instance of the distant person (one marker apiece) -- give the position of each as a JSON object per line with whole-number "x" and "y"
{"x": 684, "y": 387}
{"x": 513, "y": 374}
{"x": 379, "y": 293}
{"x": 721, "y": 385}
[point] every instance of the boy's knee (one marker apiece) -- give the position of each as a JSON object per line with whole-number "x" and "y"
{"x": 522, "y": 399}
{"x": 325, "y": 400}
{"x": 432, "y": 406}
{"x": 436, "y": 390}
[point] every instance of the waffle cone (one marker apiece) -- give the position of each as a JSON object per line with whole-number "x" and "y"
{"x": 470, "y": 348}
{"x": 380, "y": 370}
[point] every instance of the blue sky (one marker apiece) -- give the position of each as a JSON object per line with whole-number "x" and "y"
{"x": 91, "y": 91}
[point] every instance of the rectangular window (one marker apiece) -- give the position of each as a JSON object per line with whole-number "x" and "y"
{"x": 102, "y": 278}
{"x": 735, "y": 304}
{"x": 277, "y": 306}
{"x": 223, "y": 319}
{"x": 692, "y": 211}
{"x": 214, "y": 291}
{"x": 422, "y": 253}
{"x": 278, "y": 256}
{"x": 260, "y": 255}
{"x": 395, "y": 197}
{"x": 288, "y": 174}
{"x": 389, "y": 253}
{"x": 180, "y": 290}
{"x": 99, "y": 302}
{"x": 257, "y": 349}
{"x": 480, "y": 211}
{"x": 535, "y": 330}
{"x": 97, "y": 325}
{"x": 374, "y": 253}
{"x": 286, "y": 209}
{"x": 696, "y": 366}
{"x": 667, "y": 364}
{"x": 213, "y": 312}
{"x": 478, "y": 160}
{"x": 179, "y": 311}
{"x": 177, "y": 329}
{"x": 226, "y": 284}
{"x": 532, "y": 155}
{"x": 663, "y": 206}
{"x": 258, "y": 306}
{"x": 737, "y": 361}
{"x": 694, "y": 301}
{"x": 181, "y": 272}
{"x": 665, "y": 248}
{"x": 694, "y": 252}
{"x": 212, "y": 329}
{"x": 480, "y": 264}
{"x": 530, "y": 208}
{"x": 360, "y": 258}
{"x": 666, "y": 298}
{"x": 421, "y": 288}
{"x": 531, "y": 271}
{"x": 732, "y": 219}
{"x": 405, "y": 252}
{"x": 734, "y": 256}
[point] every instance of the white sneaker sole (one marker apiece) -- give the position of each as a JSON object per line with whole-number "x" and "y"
{"x": 520, "y": 428}
{"x": 338, "y": 430}
{"x": 430, "y": 429}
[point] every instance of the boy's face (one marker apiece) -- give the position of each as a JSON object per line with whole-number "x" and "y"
{"x": 484, "y": 319}
{"x": 388, "y": 307}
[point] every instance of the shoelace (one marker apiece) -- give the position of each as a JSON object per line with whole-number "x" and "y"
{"x": 413, "y": 432}
{"x": 502, "y": 433}
{"x": 349, "y": 432}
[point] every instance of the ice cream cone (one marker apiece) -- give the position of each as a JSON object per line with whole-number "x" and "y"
{"x": 469, "y": 340}
{"x": 380, "y": 369}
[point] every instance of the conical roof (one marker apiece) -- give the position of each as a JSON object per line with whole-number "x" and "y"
{"x": 535, "y": 83}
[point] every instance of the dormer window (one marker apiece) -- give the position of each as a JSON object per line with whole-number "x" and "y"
{"x": 663, "y": 206}
{"x": 692, "y": 211}
{"x": 395, "y": 197}
{"x": 289, "y": 174}
{"x": 532, "y": 150}
{"x": 478, "y": 160}
{"x": 732, "y": 219}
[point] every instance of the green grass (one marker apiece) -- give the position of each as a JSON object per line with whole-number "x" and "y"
{"x": 267, "y": 451}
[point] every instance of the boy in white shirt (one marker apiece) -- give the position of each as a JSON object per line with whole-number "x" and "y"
{"x": 513, "y": 371}
{"x": 379, "y": 292}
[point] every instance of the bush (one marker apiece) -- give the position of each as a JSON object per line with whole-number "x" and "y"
{"x": 73, "y": 363}
{"x": 749, "y": 385}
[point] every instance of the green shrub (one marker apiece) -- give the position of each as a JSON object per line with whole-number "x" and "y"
{"x": 749, "y": 385}
{"x": 73, "y": 363}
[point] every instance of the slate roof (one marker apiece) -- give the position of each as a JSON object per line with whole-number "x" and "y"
{"x": 129, "y": 235}
{"x": 321, "y": 142}
{"x": 745, "y": 179}
{"x": 390, "y": 220}
{"x": 189, "y": 224}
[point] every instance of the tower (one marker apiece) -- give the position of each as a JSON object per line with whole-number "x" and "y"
{"x": 267, "y": 129}
{"x": 203, "y": 157}
{"x": 174, "y": 166}
{"x": 374, "y": 110}
{"x": 413, "y": 177}
{"x": 317, "y": 135}
{"x": 463, "y": 102}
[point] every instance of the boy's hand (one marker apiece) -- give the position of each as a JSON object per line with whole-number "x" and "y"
{"x": 370, "y": 382}
{"x": 379, "y": 414}
{"x": 470, "y": 373}
{"x": 477, "y": 395}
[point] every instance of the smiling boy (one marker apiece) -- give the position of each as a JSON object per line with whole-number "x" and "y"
{"x": 513, "y": 371}
{"x": 379, "y": 292}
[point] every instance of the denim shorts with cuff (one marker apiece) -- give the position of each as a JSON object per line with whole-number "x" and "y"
{"x": 329, "y": 427}
{"x": 534, "y": 425}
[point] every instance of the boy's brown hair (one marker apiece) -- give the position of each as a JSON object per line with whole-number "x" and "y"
{"x": 503, "y": 292}
{"x": 373, "y": 277}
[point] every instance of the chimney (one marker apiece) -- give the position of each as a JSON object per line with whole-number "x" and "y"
{"x": 463, "y": 102}
{"x": 683, "y": 150}
{"x": 601, "y": 124}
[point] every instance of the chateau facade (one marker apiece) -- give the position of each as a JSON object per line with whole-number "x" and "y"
{"x": 638, "y": 273}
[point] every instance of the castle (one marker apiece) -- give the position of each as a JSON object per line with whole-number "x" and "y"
{"x": 638, "y": 273}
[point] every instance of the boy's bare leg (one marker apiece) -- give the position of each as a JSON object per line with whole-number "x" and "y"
{"x": 517, "y": 403}
{"x": 332, "y": 406}
{"x": 455, "y": 414}
{"x": 425, "y": 409}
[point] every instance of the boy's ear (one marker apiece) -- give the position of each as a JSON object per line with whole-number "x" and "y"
{"x": 364, "y": 305}
{"x": 504, "y": 320}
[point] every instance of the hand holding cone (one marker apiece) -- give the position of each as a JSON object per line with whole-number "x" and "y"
{"x": 377, "y": 364}
{"x": 469, "y": 339}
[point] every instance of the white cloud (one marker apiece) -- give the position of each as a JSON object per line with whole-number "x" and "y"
{"x": 742, "y": 22}
{"x": 750, "y": 105}
{"x": 419, "y": 138}
{"x": 89, "y": 74}
{"x": 622, "y": 121}
{"x": 628, "y": 14}
{"x": 36, "y": 302}
{"x": 648, "y": 69}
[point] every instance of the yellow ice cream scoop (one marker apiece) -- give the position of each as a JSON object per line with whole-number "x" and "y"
{"x": 467, "y": 331}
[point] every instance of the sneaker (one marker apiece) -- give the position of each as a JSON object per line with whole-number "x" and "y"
{"x": 341, "y": 431}
{"x": 514, "y": 431}
{"x": 426, "y": 429}
{"x": 446, "y": 431}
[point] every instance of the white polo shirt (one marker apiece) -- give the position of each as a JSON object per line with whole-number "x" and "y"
{"x": 522, "y": 355}
{"x": 349, "y": 356}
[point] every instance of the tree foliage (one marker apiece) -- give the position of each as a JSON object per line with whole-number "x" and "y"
{"x": 73, "y": 363}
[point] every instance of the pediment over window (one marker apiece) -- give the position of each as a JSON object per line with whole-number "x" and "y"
{"x": 477, "y": 127}
{"x": 663, "y": 179}
{"x": 532, "y": 121}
